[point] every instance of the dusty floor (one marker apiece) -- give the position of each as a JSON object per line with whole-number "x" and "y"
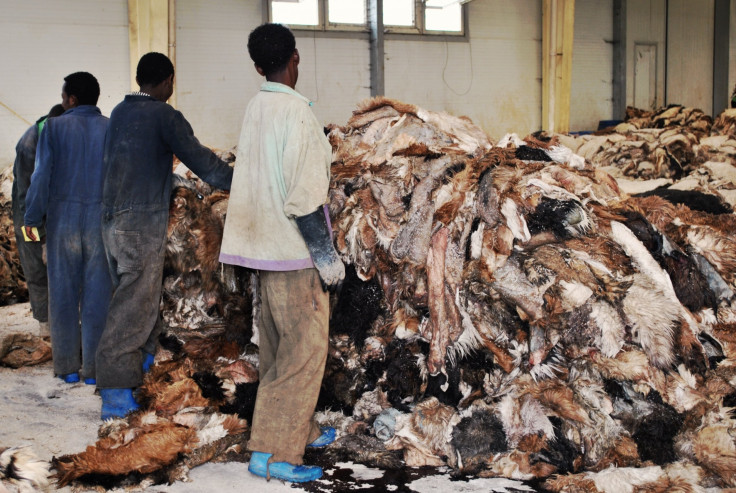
{"x": 55, "y": 418}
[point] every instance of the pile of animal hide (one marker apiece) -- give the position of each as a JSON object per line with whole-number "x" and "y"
{"x": 13, "y": 287}
{"x": 535, "y": 322}
{"x": 508, "y": 311}
{"x": 679, "y": 148}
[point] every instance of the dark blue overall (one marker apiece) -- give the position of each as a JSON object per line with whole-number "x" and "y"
{"x": 66, "y": 187}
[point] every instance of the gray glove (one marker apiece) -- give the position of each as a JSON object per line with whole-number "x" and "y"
{"x": 313, "y": 228}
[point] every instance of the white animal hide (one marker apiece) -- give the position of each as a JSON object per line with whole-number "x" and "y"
{"x": 562, "y": 154}
{"x": 476, "y": 242}
{"x": 515, "y": 221}
{"x": 574, "y": 294}
{"x": 653, "y": 316}
{"x": 639, "y": 253}
{"x": 534, "y": 419}
{"x": 30, "y": 471}
{"x": 624, "y": 479}
{"x": 510, "y": 138}
{"x": 612, "y": 328}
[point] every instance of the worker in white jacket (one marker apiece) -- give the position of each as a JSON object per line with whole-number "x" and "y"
{"x": 277, "y": 224}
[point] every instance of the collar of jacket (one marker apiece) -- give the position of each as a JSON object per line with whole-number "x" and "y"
{"x": 84, "y": 109}
{"x": 139, "y": 95}
{"x": 276, "y": 87}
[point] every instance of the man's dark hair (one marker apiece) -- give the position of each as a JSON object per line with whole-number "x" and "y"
{"x": 153, "y": 68}
{"x": 270, "y": 46}
{"x": 55, "y": 110}
{"x": 83, "y": 86}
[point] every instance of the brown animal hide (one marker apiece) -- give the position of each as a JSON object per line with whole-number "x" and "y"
{"x": 18, "y": 350}
{"x": 152, "y": 448}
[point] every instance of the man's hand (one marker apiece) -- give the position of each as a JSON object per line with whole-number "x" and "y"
{"x": 30, "y": 234}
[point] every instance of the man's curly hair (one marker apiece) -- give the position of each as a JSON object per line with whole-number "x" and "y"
{"x": 270, "y": 47}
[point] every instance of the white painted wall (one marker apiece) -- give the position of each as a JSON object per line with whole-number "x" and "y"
{"x": 495, "y": 79}
{"x": 214, "y": 75}
{"x": 690, "y": 54}
{"x": 591, "y": 98}
{"x": 42, "y": 42}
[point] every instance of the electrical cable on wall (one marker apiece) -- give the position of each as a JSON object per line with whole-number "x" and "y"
{"x": 444, "y": 69}
{"x": 314, "y": 48}
{"x": 14, "y": 112}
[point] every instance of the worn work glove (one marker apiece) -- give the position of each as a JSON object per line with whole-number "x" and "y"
{"x": 313, "y": 228}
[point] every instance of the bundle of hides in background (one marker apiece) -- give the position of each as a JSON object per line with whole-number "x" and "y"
{"x": 676, "y": 148}
{"x": 507, "y": 311}
{"x": 197, "y": 399}
{"x": 13, "y": 287}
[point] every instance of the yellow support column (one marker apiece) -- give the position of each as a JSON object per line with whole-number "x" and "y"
{"x": 151, "y": 27}
{"x": 558, "y": 19}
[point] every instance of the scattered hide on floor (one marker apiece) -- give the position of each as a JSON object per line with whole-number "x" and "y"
{"x": 20, "y": 349}
{"x": 22, "y": 468}
{"x": 508, "y": 311}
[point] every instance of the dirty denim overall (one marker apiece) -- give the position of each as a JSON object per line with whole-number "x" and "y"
{"x": 135, "y": 243}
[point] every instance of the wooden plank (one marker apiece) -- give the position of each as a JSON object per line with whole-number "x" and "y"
{"x": 566, "y": 19}
{"x": 547, "y": 55}
{"x": 158, "y": 26}
{"x": 148, "y": 30}
{"x": 133, "y": 40}
{"x": 172, "y": 43}
{"x": 558, "y": 23}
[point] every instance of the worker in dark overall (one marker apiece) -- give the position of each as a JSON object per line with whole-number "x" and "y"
{"x": 66, "y": 190}
{"x": 31, "y": 252}
{"x": 144, "y": 135}
{"x": 277, "y": 223}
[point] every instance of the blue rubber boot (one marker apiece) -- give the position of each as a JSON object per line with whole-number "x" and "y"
{"x": 70, "y": 377}
{"x": 90, "y": 381}
{"x": 326, "y": 438}
{"x": 147, "y": 361}
{"x": 282, "y": 470}
{"x": 116, "y": 403}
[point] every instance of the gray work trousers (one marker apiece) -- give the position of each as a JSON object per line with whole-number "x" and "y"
{"x": 34, "y": 271}
{"x": 135, "y": 245}
{"x": 293, "y": 345}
